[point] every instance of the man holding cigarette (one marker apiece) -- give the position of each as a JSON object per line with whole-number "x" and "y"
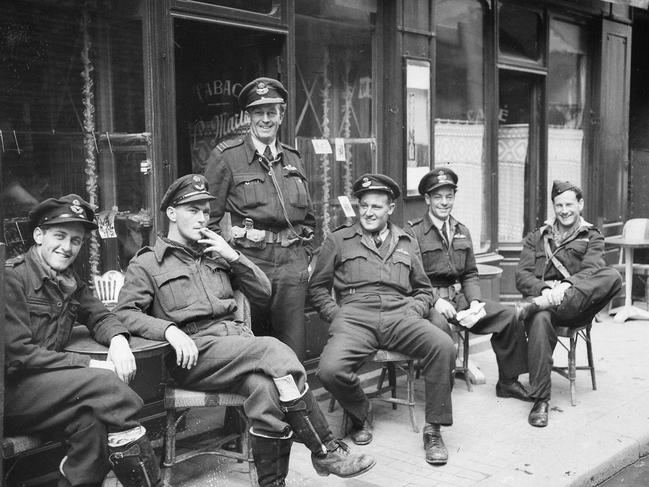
{"x": 449, "y": 262}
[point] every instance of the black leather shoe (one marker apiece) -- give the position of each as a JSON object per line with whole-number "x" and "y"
{"x": 539, "y": 414}
{"x": 362, "y": 435}
{"x": 514, "y": 389}
{"x": 436, "y": 452}
{"x": 525, "y": 309}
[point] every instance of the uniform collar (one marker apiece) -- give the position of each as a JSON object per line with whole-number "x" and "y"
{"x": 260, "y": 147}
{"x": 357, "y": 229}
{"x": 430, "y": 222}
{"x": 583, "y": 225}
{"x": 164, "y": 245}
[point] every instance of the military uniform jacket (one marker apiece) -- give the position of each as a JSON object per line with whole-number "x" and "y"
{"x": 170, "y": 284}
{"x": 581, "y": 254}
{"x": 350, "y": 263}
{"x": 39, "y": 318}
{"x": 242, "y": 185}
{"x": 446, "y": 266}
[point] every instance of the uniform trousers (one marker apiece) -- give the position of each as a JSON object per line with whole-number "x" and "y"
{"x": 508, "y": 335}
{"x": 368, "y": 321}
{"x": 246, "y": 365}
{"x": 81, "y": 405}
{"x": 581, "y": 302}
{"x": 283, "y": 318}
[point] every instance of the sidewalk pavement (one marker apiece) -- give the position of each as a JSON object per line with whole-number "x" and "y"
{"x": 491, "y": 444}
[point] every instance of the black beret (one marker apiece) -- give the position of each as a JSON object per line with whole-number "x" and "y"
{"x": 376, "y": 182}
{"x": 559, "y": 187}
{"x": 262, "y": 91}
{"x": 185, "y": 189}
{"x": 66, "y": 209}
{"x": 442, "y": 176}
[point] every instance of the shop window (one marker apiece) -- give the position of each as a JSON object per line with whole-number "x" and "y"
{"x": 268, "y": 7}
{"x": 71, "y": 94}
{"x": 459, "y": 110}
{"x": 335, "y": 100}
{"x": 566, "y": 102}
{"x": 520, "y": 32}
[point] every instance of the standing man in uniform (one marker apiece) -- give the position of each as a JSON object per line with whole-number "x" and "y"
{"x": 181, "y": 290}
{"x": 449, "y": 263}
{"x": 382, "y": 294}
{"x": 563, "y": 275}
{"x": 262, "y": 183}
{"x": 65, "y": 395}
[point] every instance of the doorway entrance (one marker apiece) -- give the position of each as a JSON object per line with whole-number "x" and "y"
{"x": 212, "y": 63}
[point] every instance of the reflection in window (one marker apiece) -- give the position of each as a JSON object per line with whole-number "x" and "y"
{"x": 566, "y": 96}
{"x": 519, "y": 33}
{"x": 335, "y": 96}
{"x": 459, "y": 116}
{"x": 417, "y": 122}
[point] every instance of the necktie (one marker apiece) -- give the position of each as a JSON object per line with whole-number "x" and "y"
{"x": 378, "y": 241}
{"x": 268, "y": 154}
{"x": 445, "y": 233}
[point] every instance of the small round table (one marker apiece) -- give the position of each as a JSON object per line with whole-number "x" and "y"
{"x": 81, "y": 342}
{"x": 628, "y": 311}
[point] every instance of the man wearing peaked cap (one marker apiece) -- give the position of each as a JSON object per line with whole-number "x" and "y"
{"x": 45, "y": 298}
{"x": 375, "y": 269}
{"x": 181, "y": 290}
{"x": 186, "y": 189}
{"x": 565, "y": 280}
{"x": 262, "y": 183}
{"x": 449, "y": 262}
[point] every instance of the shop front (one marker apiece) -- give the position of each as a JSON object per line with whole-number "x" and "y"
{"x": 114, "y": 99}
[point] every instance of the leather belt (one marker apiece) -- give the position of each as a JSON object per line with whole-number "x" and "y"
{"x": 448, "y": 292}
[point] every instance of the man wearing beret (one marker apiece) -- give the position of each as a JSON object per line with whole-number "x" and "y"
{"x": 449, "y": 262}
{"x": 52, "y": 392}
{"x": 181, "y": 290}
{"x": 563, "y": 275}
{"x": 382, "y": 294}
{"x": 262, "y": 184}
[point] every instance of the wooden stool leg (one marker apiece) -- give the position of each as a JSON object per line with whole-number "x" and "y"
{"x": 170, "y": 439}
{"x": 465, "y": 360}
{"x": 411, "y": 394}
{"x": 572, "y": 367}
{"x": 392, "y": 379}
{"x": 591, "y": 362}
{"x": 332, "y": 404}
{"x": 246, "y": 447}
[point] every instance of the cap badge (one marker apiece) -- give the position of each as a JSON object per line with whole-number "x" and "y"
{"x": 366, "y": 183}
{"x": 198, "y": 185}
{"x": 262, "y": 89}
{"x": 441, "y": 177}
{"x": 76, "y": 208}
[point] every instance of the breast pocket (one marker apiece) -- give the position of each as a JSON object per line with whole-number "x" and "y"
{"x": 401, "y": 267}
{"x": 249, "y": 187}
{"x": 461, "y": 248}
{"x": 432, "y": 256}
{"x": 218, "y": 281}
{"x": 354, "y": 265}
{"x": 297, "y": 192}
{"x": 43, "y": 317}
{"x": 175, "y": 289}
{"x": 577, "y": 247}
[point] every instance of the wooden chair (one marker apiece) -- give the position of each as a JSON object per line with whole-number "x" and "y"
{"x": 391, "y": 362}
{"x": 570, "y": 371}
{"x": 636, "y": 229}
{"x": 107, "y": 287}
{"x": 179, "y": 401}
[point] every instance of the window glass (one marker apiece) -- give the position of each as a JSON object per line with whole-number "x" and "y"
{"x": 459, "y": 111}
{"x": 335, "y": 96}
{"x": 566, "y": 99}
{"x": 71, "y": 113}
{"x": 417, "y": 122}
{"x": 520, "y": 33}
{"x": 271, "y": 7}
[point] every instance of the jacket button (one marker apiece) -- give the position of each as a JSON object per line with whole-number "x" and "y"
{"x": 59, "y": 304}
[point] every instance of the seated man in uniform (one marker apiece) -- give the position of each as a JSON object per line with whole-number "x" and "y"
{"x": 382, "y": 294}
{"x": 563, "y": 275}
{"x": 449, "y": 262}
{"x": 181, "y": 290}
{"x": 60, "y": 394}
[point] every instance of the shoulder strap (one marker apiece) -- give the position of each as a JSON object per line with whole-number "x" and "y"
{"x": 548, "y": 252}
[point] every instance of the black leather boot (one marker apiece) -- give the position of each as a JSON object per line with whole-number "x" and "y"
{"x": 271, "y": 457}
{"x": 328, "y": 455}
{"x": 135, "y": 464}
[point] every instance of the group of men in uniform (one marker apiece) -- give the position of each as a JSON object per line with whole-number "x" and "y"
{"x": 378, "y": 285}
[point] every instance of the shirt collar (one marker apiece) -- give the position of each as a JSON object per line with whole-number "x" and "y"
{"x": 583, "y": 225}
{"x": 261, "y": 147}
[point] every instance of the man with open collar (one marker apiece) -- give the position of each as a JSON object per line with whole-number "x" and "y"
{"x": 262, "y": 183}
{"x": 565, "y": 280}
{"x": 382, "y": 294}
{"x": 449, "y": 262}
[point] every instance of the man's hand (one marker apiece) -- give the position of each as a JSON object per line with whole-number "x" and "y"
{"x": 186, "y": 351}
{"x": 558, "y": 292}
{"x": 119, "y": 353}
{"x": 445, "y": 308}
{"x": 469, "y": 317}
{"x": 215, "y": 243}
